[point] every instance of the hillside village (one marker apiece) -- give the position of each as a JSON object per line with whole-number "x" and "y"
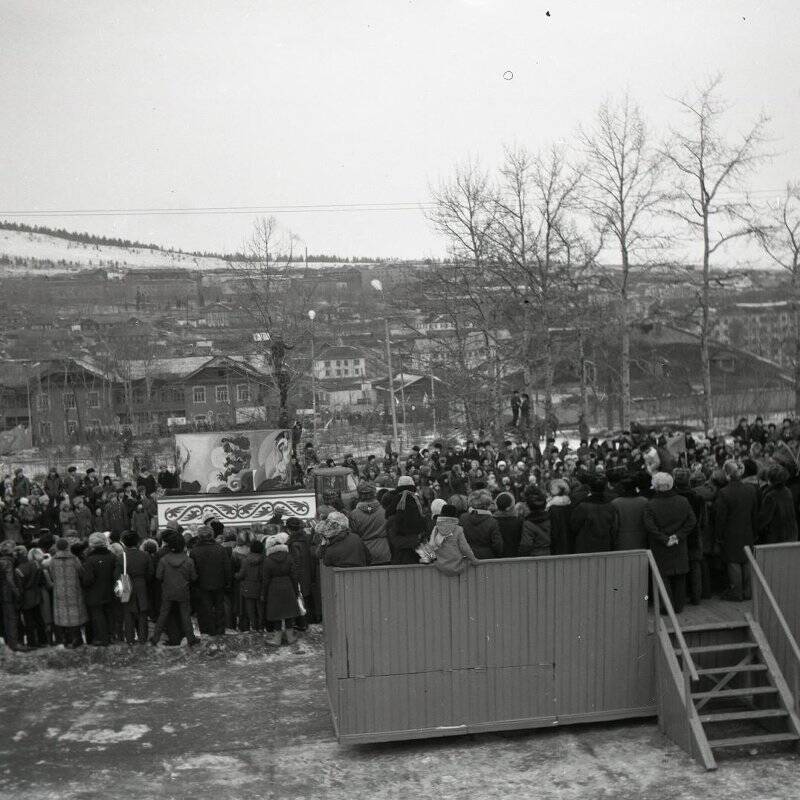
{"x": 160, "y": 340}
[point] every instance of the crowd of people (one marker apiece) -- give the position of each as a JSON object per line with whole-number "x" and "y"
{"x": 83, "y": 561}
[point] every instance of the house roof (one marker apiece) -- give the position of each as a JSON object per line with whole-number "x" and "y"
{"x": 405, "y": 381}
{"x": 341, "y": 384}
{"x": 339, "y": 351}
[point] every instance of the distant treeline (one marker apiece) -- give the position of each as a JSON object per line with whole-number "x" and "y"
{"x": 90, "y": 238}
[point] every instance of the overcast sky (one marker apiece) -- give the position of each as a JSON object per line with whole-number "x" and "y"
{"x": 112, "y": 105}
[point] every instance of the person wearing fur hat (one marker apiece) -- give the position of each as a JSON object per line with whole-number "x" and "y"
{"x": 593, "y": 523}
{"x": 694, "y": 542}
{"x": 480, "y": 527}
{"x": 83, "y": 519}
{"x": 735, "y": 525}
{"x": 629, "y": 507}
{"x": 69, "y": 608}
{"x": 776, "y": 518}
{"x": 305, "y": 566}
{"x": 279, "y": 590}
{"x": 98, "y": 588}
{"x": 139, "y": 567}
{"x": 536, "y": 533}
{"x": 669, "y": 519}
{"x": 368, "y": 521}
{"x": 214, "y": 577}
{"x": 509, "y": 523}
{"x": 251, "y": 578}
{"x": 176, "y": 572}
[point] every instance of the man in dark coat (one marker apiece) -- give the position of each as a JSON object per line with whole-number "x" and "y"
{"x": 139, "y": 567}
{"x": 9, "y": 597}
{"x": 340, "y": 546}
{"x": 98, "y": 588}
{"x": 510, "y": 525}
{"x": 777, "y": 521}
{"x": 694, "y": 543}
{"x": 735, "y": 524}
{"x": 593, "y": 522}
{"x": 214, "y": 575}
{"x": 668, "y": 520}
{"x": 480, "y": 528}
{"x": 299, "y": 545}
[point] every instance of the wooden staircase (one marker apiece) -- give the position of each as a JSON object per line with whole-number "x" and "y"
{"x": 741, "y": 698}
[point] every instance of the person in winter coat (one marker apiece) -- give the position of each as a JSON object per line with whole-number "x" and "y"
{"x": 448, "y": 545}
{"x": 29, "y": 582}
{"x": 405, "y": 523}
{"x": 509, "y": 523}
{"x": 251, "y": 577}
{"x": 777, "y": 521}
{"x": 66, "y": 517}
{"x": 536, "y": 531}
{"x": 480, "y": 527}
{"x": 694, "y": 542}
{"x": 98, "y": 588}
{"x": 214, "y": 576}
{"x": 735, "y": 523}
{"x": 368, "y": 520}
{"x": 115, "y": 519}
{"x": 140, "y": 521}
{"x": 43, "y": 559}
{"x": 669, "y": 520}
{"x": 21, "y": 486}
{"x": 593, "y": 523}
{"x": 629, "y": 508}
{"x": 279, "y": 590}
{"x": 69, "y": 608}
{"x": 340, "y": 547}
{"x": 9, "y": 596}
{"x": 139, "y": 567}
{"x": 176, "y": 572}
{"x": 84, "y": 522}
{"x": 559, "y": 507}
{"x": 304, "y": 566}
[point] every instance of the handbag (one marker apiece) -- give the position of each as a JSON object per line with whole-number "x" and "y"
{"x": 123, "y": 588}
{"x": 300, "y": 604}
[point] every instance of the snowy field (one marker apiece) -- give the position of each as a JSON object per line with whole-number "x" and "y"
{"x": 241, "y": 722}
{"x": 78, "y": 256}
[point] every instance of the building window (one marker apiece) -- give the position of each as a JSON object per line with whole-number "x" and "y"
{"x": 242, "y": 393}
{"x": 94, "y": 423}
{"x": 327, "y": 363}
{"x": 45, "y": 431}
{"x": 71, "y": 426}
{"x": 338, "y": 373}
{"x": 338, "y": 363}
{"x": 222, "y": 394}
{"x": 69, "y": 399}
{"x": 93, "y": 399}
{"x": 138, "y": 396}
{"x": 42, "y": 402}
{"x": 356, "y": 371}
{"x": 199, "y": 394}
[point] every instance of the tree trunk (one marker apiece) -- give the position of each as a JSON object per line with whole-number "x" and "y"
{"x": 582, "y": 372}
{"x": 625, "y": 360}
{"x": 796, "y": 324}
{"x": 548, "y": 382}
{"x": 705, "y": 325}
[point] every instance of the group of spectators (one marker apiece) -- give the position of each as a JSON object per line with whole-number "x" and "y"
{"x": 82, "y": 560}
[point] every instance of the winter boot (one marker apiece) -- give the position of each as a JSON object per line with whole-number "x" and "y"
{"x": 274, "y": 638}
{"x": 291, "y": 636}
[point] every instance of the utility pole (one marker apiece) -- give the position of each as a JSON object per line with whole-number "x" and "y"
{"x": 312, "y": 316}
{"x": 433, "y": 405}
{"x": 378, "y": 286}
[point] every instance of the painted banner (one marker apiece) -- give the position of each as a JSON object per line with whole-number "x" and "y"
{"x": 233, "y": 462}
{"x": 233, "y": 511}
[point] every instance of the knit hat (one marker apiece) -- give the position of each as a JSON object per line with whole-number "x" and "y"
{"x": 504, "y": 501}
{"x": 405, "y": 480}
{"x": 559, "y": 487}
{"x": 97, "y": 539}
{"x": 339, "y": 519}
{"x": 205, "y": 534}
{"x": 662, "y": 482}
{"x": 436, "y": 507}
{"x": 535, "y": 498}
{"x": 62, "y": 544}
{"x": 294, "y": 524}
{"x": 448, "y": 511}
{"x": 367, "y": 491}
{"x": 130, "y": 539}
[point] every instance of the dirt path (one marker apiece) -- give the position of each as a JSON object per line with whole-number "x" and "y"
{"x": 256, "y": 725}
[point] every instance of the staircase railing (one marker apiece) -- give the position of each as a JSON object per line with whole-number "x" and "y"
{"x": 662, "y": 596}
{"x": 763, "y": 596}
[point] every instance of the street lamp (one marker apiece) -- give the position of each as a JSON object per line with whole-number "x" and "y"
{"x": 312, "y": 315}
{"x": 378, "y": 287}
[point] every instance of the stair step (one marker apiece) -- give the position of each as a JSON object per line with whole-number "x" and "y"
{"x": 728, "y": 716}
{"x": 763, "y": 738}
{"x": 743, "y": 692}
{"x": 734, "y": 668}
{"x": 711, "y": 626}
{"x": 719, "y": 648}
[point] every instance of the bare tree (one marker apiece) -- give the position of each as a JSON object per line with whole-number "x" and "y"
{"x": 709, "y": 171}
{"x": 624, "y": 192}
{"x": 277, "y": 296}
{"x": 780, "y": 239}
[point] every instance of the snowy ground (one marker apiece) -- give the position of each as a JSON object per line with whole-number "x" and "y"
{"x": 246, "y": 723}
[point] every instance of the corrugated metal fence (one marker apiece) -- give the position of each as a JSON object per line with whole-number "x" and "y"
{"x": 780, "y": 564}
{"x": 512, "y": 643}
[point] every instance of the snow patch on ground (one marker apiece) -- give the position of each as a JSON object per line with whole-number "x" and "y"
{"x": 128, "y": 733}
{"x": 204, "y": 695}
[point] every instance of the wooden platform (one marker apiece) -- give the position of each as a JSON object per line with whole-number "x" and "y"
{"x": 709, "y": 612}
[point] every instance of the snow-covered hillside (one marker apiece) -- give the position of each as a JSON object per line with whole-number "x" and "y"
{"x": 69, "y": 256}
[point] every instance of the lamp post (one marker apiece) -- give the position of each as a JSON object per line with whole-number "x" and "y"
{"x": 312, "y": 316}
{"x": 378, "y": 287}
